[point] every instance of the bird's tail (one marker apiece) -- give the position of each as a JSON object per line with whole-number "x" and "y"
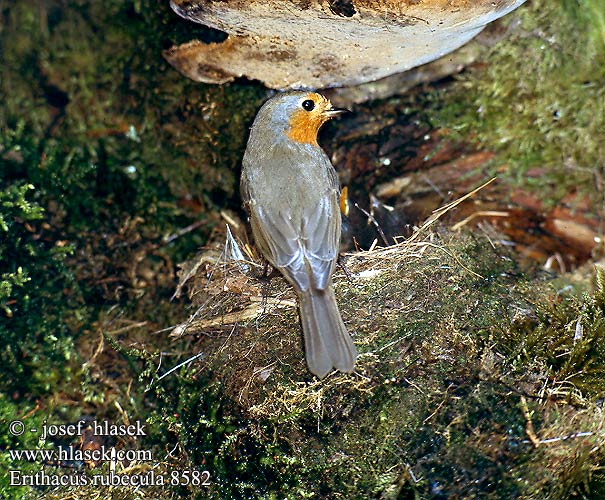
{"x": 327, "y": 343}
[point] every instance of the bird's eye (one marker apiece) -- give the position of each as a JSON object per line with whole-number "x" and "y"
{"x": 308, "y": 105}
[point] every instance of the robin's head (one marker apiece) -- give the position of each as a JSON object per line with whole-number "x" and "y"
{"x": 298, "y": 115}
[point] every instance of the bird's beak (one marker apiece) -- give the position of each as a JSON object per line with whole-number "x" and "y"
{"x": 332, "y": 112}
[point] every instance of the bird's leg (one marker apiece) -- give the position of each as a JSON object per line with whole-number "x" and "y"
{"x": 264, "y": 274}
{"x": 265, "y": 278}
{"x": 266, "y": 282}
{"x": 341, "y": 262}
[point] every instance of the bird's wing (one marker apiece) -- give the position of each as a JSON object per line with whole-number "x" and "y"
{"x": 321, "y": 237}
{"x": 304, "y": 250}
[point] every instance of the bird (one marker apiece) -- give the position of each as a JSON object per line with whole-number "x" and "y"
{"x": 291, "y": 192}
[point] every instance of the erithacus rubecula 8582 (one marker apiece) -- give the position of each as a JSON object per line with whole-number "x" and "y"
{"x": 291, "y": 192}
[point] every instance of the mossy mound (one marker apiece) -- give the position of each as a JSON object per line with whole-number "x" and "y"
{"x": 471, "y": 382}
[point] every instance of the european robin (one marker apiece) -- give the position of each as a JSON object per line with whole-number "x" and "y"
{"x": 291, "y": 192}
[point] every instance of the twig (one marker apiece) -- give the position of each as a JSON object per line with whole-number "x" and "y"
{"x": 173, "y": 369}
{"x": 434, "y": 186}
{"x": 98, "y": 350}
{"x": 438, "y": 213}
{"x": 251, "y": 312}
{"x": 373, "y": 221}
{"x": 122, "y": 412}
{"x": 565, "y": 438}
{"x": 126, "y": 328}
{"x": 438, "y": 406}
{"x": 529, "y": 425}
{"x": 181, "y": 232}
{"x": 481, "y": 213}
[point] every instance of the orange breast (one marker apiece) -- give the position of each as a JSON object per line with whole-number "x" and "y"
{"x": 304, "y": 126}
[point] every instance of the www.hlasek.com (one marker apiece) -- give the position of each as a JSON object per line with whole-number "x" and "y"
{"x": 73, "y": 453}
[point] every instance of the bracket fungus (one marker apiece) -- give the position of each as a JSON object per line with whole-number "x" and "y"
{"x": 326, "y": 43}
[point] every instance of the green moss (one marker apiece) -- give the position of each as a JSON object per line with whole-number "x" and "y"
{"x": 570, "y": 339}
{"x": 539, "y": 99}
{"x": 121, "y": 149}
{"x": 121, "y": 152}
{"x": 115, "y": 129}
{"x": 452, "y": 386}
{"x": 10, "y": 412}
{"x": 33, "y": 278}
